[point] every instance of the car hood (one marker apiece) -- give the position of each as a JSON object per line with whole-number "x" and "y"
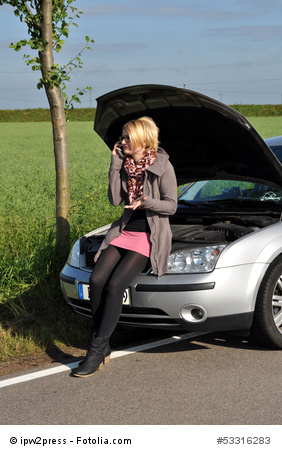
{"x": 204, "y": 138}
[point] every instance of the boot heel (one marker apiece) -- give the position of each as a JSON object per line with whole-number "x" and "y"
{"x": 107, "y": 359}
{"x": 100, "y": 367}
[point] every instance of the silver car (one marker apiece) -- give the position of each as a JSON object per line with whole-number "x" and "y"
{"x": 225, "y": 266}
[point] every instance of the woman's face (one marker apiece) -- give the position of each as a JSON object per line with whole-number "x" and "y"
{"x": 128, "y": 148}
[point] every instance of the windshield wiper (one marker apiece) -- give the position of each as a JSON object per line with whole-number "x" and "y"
{"x": 252, "y": 201}
{"x": 202, "y": 204}
{"x": 192, "y": 204}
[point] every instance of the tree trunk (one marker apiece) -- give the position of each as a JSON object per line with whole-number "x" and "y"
{"x": 58, "y": 118}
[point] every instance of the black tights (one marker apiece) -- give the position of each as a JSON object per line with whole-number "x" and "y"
{"x": 113, "y": 272}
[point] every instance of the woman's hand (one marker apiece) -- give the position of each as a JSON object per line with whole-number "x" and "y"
{"x": 136, "y": 204}
{"x": 117, "y": 148}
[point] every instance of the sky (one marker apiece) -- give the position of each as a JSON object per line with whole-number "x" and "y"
{"x": 230, "y": 50}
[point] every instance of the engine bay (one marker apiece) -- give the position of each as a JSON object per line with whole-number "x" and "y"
{"x": 214, "y": 230}
{"x": 195, "y": 230}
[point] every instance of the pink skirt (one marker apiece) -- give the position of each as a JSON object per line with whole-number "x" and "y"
{"x": 134, "y": 241}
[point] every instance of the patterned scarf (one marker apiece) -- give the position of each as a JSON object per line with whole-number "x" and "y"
{"x": 136, "y": 174}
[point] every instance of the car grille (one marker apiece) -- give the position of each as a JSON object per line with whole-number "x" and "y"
{"x": 146, "y": 316}
{"x": 80, "y": 307}
{"x": 130, "y": 315}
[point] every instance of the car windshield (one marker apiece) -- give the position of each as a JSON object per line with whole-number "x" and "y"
{"x": 220, "y": 190}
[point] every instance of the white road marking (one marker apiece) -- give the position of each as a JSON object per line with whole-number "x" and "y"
{"x": 114, "y": 355}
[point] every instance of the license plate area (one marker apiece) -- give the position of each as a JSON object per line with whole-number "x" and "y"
{"x": 83, "y": 292}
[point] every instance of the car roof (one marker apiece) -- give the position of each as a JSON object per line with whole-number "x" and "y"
{"x": 275, "y": 141}
{"x": 204, "y": 138}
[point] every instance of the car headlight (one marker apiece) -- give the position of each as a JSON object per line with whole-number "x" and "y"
{"x": 73, "y": 258}
{"x": 196, "y": 260}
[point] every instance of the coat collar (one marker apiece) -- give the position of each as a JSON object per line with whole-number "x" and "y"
{"x": 158, "y": 167}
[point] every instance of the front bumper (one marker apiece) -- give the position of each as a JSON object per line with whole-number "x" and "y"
{"x": 221, "y": 300}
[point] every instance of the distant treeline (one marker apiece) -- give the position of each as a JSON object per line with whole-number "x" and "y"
{"x": 88, "y": 114}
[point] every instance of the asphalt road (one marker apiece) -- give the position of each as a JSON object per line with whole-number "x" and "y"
{"x": 205, "y": 380}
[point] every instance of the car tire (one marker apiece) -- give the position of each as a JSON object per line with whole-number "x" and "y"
{"x": 267, "y": 323}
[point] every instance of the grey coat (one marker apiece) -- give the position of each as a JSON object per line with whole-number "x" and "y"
{"x": 160, "y": 189}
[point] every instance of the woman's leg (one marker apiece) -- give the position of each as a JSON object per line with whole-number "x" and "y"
{"x": 106, "y": 263}
{"x": 117, "y": 268}
{"x": 128, "y": 268}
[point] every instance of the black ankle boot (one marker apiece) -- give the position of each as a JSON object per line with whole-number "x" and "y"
{"x": 94, "y": 333}
{"x": 98, "y": 354}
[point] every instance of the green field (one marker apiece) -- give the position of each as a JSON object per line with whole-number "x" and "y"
{"x": 33, "y": 315}
{"x": 267, "y": 126}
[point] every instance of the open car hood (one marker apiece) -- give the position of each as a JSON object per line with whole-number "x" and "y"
{"x": 204, "y": 138}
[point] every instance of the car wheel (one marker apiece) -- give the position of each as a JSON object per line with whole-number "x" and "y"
{"x": 267, "y": 324}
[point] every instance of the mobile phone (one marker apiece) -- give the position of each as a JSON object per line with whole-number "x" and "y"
{"x": 120, "y": 151}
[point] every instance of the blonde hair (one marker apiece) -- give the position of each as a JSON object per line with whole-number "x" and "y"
{"x": 143, "y": 132}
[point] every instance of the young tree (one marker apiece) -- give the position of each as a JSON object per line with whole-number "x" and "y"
{"x": 48, "y": 24}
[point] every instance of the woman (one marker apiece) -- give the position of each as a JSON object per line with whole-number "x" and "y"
{"x": 144, "y": 179}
